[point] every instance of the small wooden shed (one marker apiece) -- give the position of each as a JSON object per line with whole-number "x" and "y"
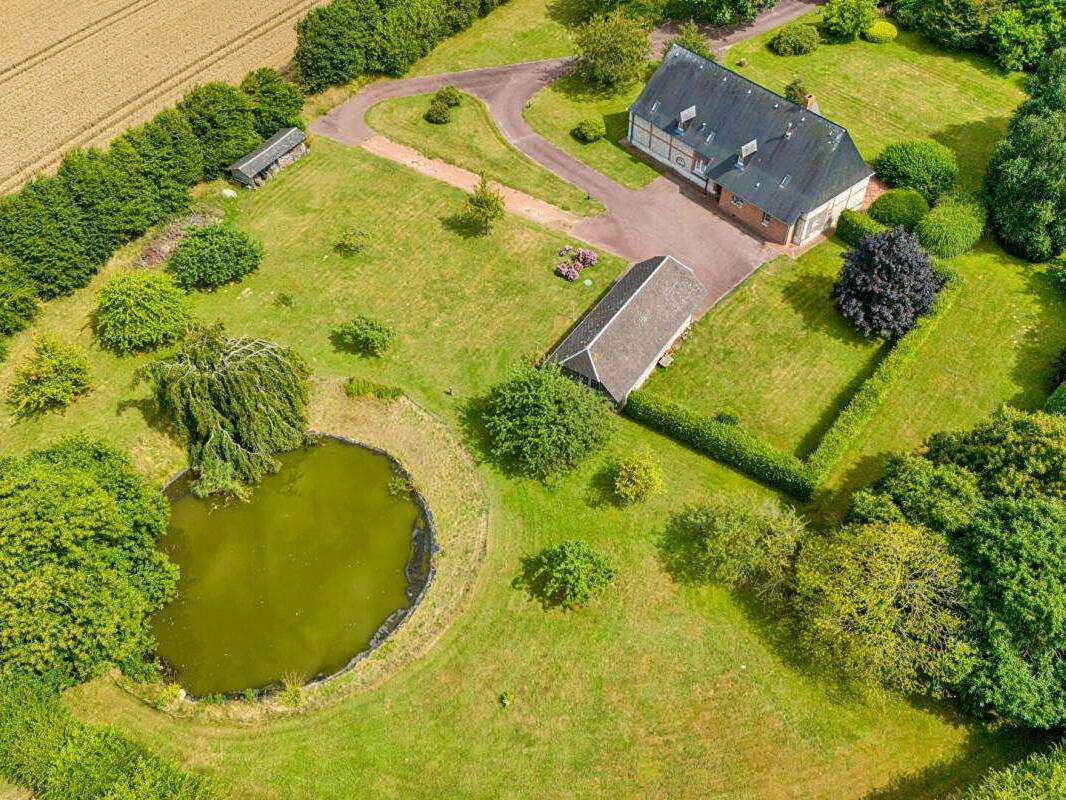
{"x": 280, "y": 150}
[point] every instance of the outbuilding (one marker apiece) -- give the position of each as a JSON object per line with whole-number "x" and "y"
{"x": 778, "y": 167}
{"x": 618, "y": 343}
{"x": 277, "y": 152}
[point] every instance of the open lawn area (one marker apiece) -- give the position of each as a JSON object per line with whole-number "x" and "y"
{"x": 657, "y": 690}
{"x": 904, "y": 89}
{"x": 775, "y": 351}
{"x": 518, "y": 30}
{"x": 555, "y": 110}
{"x": 472, "y": 141}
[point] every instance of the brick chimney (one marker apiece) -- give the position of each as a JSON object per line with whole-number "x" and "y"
{"x": 809, "y": 103}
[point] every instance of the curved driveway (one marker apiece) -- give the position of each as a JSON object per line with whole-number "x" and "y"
{"x": 666, "y": 217}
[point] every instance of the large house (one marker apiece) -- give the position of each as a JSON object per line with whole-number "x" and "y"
{"x": 618, "y": 343}
{"x": 779, "y": 168}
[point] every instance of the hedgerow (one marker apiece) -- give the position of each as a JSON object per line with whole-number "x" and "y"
{"x": 857, "y": 414}
{"x": 726, "y": 442}
{"x": 1056, "y": 403}
{"x": 44, "y": 748}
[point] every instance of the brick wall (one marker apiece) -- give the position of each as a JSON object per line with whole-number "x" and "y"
{"x": 751, "y": 217}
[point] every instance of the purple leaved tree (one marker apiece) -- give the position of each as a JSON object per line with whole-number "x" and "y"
{"x": 886, "y": 283}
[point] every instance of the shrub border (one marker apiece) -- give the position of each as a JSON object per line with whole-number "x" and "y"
{"x": 760, "y": 459}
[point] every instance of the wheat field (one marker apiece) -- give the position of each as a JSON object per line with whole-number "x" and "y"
{"x": 78, "y": 72}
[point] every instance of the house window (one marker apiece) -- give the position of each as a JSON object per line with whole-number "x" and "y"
{"x": 765, "y": 220}
{"x": 738, "y": 201}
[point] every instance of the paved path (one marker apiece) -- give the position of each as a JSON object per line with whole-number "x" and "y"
{"x": 668, "y": 216}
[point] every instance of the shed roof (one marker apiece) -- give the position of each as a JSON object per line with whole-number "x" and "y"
{"x": 619, "y": 339}
{"x": 802, "y": 159}
{"x": 268, "y": 152}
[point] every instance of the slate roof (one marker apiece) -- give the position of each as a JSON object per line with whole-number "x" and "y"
{"x": 623, "y": 334}
{"x": 818, "y": 156}
{"x": 268, "y": 152}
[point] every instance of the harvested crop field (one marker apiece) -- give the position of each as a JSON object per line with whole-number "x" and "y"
{"x": 78, "y": 72}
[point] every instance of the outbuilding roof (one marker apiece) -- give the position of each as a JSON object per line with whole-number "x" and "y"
{"x": 268, "y": 152}
{"x": 619, "y": 340}
{"x": 800, "y": 160}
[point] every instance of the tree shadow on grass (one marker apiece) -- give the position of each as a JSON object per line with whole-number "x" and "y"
{"x": 986, "y": 748}
{"x": 153, "y": 417}
{"x": 973, "y": 143}
{"x": 465, "y": 227}
{"x": 568, "y": 12}
{"x": 1034, "y": 364}
{"x": 810, "y": 296}
{"x": 533, "y": 584}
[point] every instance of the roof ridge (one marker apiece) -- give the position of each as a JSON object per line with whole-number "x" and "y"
{"x": 757, "y": 85}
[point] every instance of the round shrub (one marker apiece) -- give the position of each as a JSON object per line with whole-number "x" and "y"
{"x": 921, "y": 164}
{"x": 18, "y": 302}
{"x": 543, "y": 422}
{"x": 364, "y": 335}
{"x": 448, "y": 95}
{"x": 881, "y": 32}
{"x": 51, "y": 378}
{"x": 954, "y": 226}
{"x": 214, "y": 255}
{"x": 904, "y": 207}
{"x": 589, "y": 130}
{"x": 438, "y": 113}
{"x": 570, "y": 574}
{"x": 637, "y": 477}
{"x": 795, "y": 40}
{"x": 854, "y": 226}
{"x": 140, "y": 311}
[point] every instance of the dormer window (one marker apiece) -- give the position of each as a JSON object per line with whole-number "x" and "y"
{"x": 785, "y": 180}
{"x": 710, "y": 137}
{"x": 655, "y": 105}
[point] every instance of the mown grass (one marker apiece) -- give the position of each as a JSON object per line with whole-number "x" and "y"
{"x": 777, "y": 352}
{"x": 518, "y": 30}
{"x": 472, "y": 141}
{"x": 659, "y": 690}
{"x": 556, "y": 109}
{"x": 907, "y": 88}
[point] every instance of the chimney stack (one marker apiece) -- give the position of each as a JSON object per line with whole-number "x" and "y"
{"x": 809, "y": 103}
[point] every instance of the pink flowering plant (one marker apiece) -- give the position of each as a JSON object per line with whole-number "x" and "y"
{"x": 574, "y": 259}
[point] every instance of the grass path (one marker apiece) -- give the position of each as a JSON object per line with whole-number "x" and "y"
{"x": 472, "y": 141}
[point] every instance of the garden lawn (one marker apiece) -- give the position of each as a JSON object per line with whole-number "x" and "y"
{"x": 472, "y": 141}
{"x": 904, "y": 89}
{"x": 517, "y": 30}
{"x": 996, "y": 344}
{"x": 776, "y": 352}
{"x": 658, "y": 690}
{"x": 556, "y": 109}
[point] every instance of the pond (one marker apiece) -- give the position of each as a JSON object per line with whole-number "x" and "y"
{"x": 325, "y": 558}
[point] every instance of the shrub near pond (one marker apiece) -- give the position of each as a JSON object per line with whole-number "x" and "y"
{"x": 544, "y": 423}
{"x": 140, "y": 311}
{"x": 570, "y": 574}
{"x": 51, "y": 378}
{"x": 904, "y": 207}
{"x": 214, "y": 255}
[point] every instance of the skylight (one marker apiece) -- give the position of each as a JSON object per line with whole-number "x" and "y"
{"x": 785, "y": 180}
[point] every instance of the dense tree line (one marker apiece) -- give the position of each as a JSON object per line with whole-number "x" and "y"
{"x": 340, "y": 40}
{"x": 57, "y": 230}
{"x": 1016, "y": 33}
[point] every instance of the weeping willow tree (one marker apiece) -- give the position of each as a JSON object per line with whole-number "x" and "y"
{"x": 237, "y": 401}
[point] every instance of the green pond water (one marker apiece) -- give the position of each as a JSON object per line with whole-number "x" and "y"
{"x": 295, "y": 581}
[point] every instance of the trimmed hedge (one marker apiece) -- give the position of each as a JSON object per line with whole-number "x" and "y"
{"x": 43, "y": 747}
{"x": 954, "y": 226}
{"x": 795, "y": 40}
{"x": 1041, "y": 775}
{"x": 589, "y": 130}
{"x": 1056, "y": 403}
{"x": 726, "y": 442}
{"x": 854, "y": 226}
{"x": 921, "y": 164}
{"x": 904, "y": 207}
{"x": 363, "y": 387}
{"x": 857, "y": 414}
{"x": 881, "y": 32}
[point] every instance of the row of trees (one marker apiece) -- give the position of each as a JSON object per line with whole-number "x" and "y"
{"x": 57, "y": 230}
{"x": 338, "y": 41}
